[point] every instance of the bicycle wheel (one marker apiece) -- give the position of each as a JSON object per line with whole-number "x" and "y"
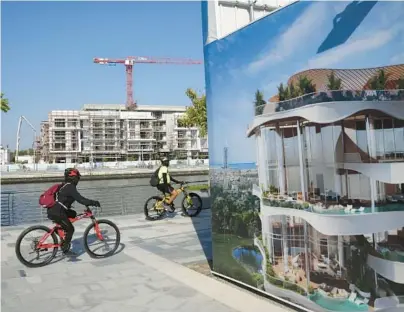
{"x": 52, "y": 239}
{"x": 154, "y": 209}
{"x": 108, "y": 230}
{"x": 191, "y": 205}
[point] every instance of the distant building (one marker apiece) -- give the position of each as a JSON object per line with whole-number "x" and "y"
{"x": 25, "y": 159}
{"x": 4, "y": 155}
{"x": 111, "y": 132}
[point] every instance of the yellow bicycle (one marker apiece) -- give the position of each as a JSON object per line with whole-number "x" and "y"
{"x": 191, "y": 204}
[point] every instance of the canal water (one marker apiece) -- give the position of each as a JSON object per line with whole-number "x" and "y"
{"x": 19, "y": 202}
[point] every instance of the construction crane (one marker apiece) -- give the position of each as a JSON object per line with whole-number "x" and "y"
{"x": 17, "y": 147}
{"x": 132, "y": 60}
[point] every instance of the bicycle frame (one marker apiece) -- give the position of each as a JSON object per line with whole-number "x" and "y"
{"x": 181, "y": 189}
{"x": 85, "y": 215}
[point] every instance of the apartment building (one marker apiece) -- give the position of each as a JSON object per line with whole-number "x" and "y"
{"x": 111, "y": 133}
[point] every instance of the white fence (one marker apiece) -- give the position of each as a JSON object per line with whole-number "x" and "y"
{"x": 103, "y": 165}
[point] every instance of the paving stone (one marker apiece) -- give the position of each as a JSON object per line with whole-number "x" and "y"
{"x": 118, "y": 283}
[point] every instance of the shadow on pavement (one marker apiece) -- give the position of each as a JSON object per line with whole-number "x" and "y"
{"x": 203, "y": 226}
{"x": 78, "y": 249}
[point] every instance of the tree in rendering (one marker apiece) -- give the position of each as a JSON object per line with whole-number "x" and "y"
{"x": 293, "y": 91}
{"x": 379, "y": 80}
{"x": 259, "y": 102}
{"x": 334, "y": 83}
{"x": 195, "y": 115}
{"x": 281, "y": 92}
{"x": 4, "y": 104}
{"x": 306, "y": 85}
{"x": 400, "y": 83}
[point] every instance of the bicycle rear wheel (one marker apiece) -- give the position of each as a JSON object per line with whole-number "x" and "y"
{"x": 108, "y": 230}
{"x": 42, "y": 231}
{"x": 192, "y": 205}
{"x": 154, "y": 209}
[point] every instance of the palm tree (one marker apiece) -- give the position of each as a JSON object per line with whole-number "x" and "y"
{"x": 379, "y": 81}
{"x": 293, "y": 91}
{"x": 4, "y": 104}
{"x": 334, "y": 83}
{"x": 259, "y": 102}
{"x": 281, "y": 93}
{"x": 306, "y": 85}
{"x": 400, "y": 83}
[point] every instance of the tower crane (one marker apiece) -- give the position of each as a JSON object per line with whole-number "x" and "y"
{"x": 130, "y": 61}
{"x": 17, "y": 147}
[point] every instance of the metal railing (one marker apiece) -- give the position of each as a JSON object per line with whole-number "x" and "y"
{"x": 335, "y": 96}
{"x": 104, "y": 166}
{"x": 19, "y": 207}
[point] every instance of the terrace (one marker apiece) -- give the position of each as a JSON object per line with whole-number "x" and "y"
{"x": 331, "y": 96}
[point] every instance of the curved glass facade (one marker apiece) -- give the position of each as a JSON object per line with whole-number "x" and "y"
{"x": 329, "y": 155}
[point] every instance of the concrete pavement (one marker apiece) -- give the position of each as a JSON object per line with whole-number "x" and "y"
{"x": 148, "y": 274}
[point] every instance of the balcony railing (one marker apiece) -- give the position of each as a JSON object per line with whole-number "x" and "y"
{"x": 335, "y": 96}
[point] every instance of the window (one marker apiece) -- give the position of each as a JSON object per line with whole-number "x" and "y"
{"x": 60, "y": 123}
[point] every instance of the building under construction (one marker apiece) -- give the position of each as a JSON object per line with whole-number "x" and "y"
{"x": 112, "y": 132}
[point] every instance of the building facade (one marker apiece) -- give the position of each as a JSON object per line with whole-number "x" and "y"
{"x": 330, "y": 167}
{"x": 111, "y": 133}
{"x": 4, "y": 155}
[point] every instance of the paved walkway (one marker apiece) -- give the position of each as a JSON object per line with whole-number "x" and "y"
{"x": 147, "y": 275}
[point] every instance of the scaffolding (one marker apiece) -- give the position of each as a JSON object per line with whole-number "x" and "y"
{"x": 109, "y": 133}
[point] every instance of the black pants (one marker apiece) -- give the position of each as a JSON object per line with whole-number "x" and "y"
{"x": 61, "y": 216}
{"x": 165, "y": 188}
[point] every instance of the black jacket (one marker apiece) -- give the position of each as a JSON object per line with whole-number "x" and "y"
{"x": 68, "y": 194}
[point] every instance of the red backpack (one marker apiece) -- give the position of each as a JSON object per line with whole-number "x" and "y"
{"x": 48, "y": 198}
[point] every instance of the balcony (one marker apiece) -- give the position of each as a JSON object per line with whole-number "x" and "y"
{"x": 332, "y": 96}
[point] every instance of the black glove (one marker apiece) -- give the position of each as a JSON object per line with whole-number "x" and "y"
{"x": 96, "y": 203}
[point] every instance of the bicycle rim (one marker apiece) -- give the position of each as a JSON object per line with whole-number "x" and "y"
{"x": 192, "y": 205}
{"x": 33, "y": 252}
{"x": 111, "y": 238}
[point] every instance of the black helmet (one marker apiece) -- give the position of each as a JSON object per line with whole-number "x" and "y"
{"x": 165, "y": 162}
{"x": 72, "y": 175}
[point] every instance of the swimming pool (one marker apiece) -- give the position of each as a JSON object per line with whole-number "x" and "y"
{"x": 385, "y": 208}
{"x": 337, "y": 304}
{"x": 249, "y": 256}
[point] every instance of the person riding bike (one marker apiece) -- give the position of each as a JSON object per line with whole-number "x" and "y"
{"x": 61, "y": 211}
{"x": 164, "y": 183}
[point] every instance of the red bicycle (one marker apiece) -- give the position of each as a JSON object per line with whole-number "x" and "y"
{"x": 39, "y": 244}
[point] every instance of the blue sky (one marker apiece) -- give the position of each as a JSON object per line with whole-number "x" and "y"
{"x": 269, "y": 51}
{"x": 48, "y": 48}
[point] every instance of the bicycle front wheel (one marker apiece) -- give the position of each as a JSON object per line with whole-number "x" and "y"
{"x": 33, "y": 235}
{"x": 192, "y": 205}
{"x": 102, "y": 243}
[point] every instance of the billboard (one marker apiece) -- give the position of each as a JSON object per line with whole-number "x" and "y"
{"x": 306, "y": 141}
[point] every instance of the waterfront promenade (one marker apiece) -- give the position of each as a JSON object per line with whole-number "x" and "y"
{"x": 150, "y": 273}
{"x": 33, "y": 176}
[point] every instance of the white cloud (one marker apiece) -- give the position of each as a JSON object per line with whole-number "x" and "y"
{"x": 398, "y": 58}
{"x": 293, "y": 39}
{"x": 351, "y": 48}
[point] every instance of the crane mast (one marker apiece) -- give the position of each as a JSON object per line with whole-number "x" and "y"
{"x": 130, "y": 61}
{"x": 17, "y": 147}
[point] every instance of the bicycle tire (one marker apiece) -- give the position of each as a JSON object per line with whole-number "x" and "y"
{"x": 18, "y": 246}
{"x": 111, "y": 252}
{"x": 146, "y": 211}
{"x": 184, "y": 203}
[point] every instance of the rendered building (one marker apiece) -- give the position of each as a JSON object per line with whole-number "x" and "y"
{"x": 330, "y": 167}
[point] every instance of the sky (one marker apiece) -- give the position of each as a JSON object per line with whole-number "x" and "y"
{"x": 47, "y": 51}
{"x": 269, "y": 51}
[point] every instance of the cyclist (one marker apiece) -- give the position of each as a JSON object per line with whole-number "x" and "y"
{"x": 164, "y": 183}
{"x": 61, "y": 211}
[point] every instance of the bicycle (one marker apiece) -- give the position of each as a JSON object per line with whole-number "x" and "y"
{"x": 38, "y": 245}
{"x": 188, "y": 202}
